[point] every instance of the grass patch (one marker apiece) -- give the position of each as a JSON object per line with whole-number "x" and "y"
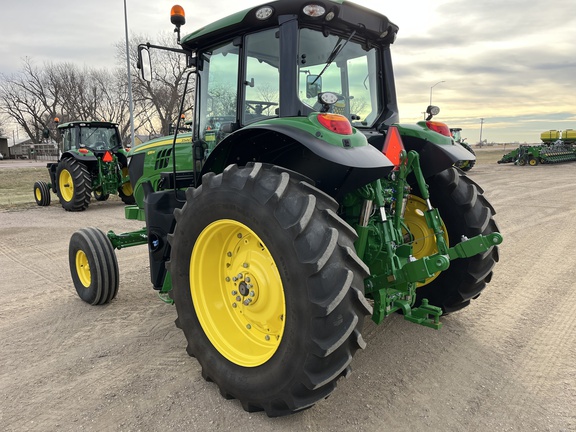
{"x": 17, "y": 185}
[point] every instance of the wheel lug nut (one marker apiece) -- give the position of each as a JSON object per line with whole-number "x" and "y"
{"x": 245, "y": 265}
{"x": 248, "y": 326}
{"x": 240, "y": 276}
{"x": 247, "y": 302}
{"x": 247, "y": 278}
{"x": 238, "y": 298}
{"x": 267, "y": 337}
{"x": 227, "y": 278}
{"x": 252, "y": 293}
{"x": 229, "y": 254}
{"x": 234, "y": 292}
{"x": 233, "y": 305}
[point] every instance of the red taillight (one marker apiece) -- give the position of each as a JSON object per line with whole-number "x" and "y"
{"x": 441, "y": 128}
{"x": 336, "y": 123}
{"x": 393, "y": 145}
{"x": 107, "y": 157}
{"x": 83, "y": 151}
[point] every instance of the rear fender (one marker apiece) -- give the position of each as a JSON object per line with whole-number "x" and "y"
{"x": 334, "y": 169}
{"x": 80, "y": 157}
{"x": 437, "y": 152}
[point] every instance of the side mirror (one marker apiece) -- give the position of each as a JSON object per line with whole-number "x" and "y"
{"x": 313, "y": 86}
{"x": 144, "y": 63}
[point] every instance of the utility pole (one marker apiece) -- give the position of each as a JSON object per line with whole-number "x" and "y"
{"x": 439, "y": 82}
{"x": 481, "y": 123}
{"x": 131, "y": 107}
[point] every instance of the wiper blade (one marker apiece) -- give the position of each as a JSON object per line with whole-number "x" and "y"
{"x": 335, "y": 51}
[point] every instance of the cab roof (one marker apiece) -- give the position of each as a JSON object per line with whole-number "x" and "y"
{"x": 348, "y": 16}
{"x": 94, "y": 124}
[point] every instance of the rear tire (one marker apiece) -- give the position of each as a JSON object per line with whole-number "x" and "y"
{"x": 74, "y": 185}
{"x": 42, "y": 193}
{"x": 286, "y": 348}
{"x": 93, "y": 266}
{"x": 464, "y": 211}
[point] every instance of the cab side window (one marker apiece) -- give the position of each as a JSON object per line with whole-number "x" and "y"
{"x": 219, "y": 97}
{"x": 67, "y": 139}
{"x": 262, "y": 85}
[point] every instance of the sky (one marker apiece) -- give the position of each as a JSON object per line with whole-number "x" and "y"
{"x": 502, "y": 70}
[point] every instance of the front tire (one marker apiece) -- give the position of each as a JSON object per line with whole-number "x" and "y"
{"x": 93, "y": 266}
{"x": 125, "y": 191}
{"x": 74, "y": 185}
{"x": 99, "y": 196}
{"x": 268, "y": 287}
{"x": 42, "y": 193}
{"x": 464, "y": 211}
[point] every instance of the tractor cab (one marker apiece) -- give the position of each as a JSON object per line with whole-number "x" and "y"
{"x": 261, "y": 81}
{"x": 93, "y": 136}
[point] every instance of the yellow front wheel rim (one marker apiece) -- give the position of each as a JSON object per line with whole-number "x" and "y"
{"x": 38, "y": 194}
{"x": 424, "y": 240}
{"x": 237, "y": 293}
{"x": 66, "y": 185}
{"x": 83, "y": 268}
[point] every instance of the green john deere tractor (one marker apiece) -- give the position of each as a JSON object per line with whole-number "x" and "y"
{"x": 92, "y": 161}
{"x": 297, "y": 205}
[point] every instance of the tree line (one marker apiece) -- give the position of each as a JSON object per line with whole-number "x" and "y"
{"x": 37, "y": 94}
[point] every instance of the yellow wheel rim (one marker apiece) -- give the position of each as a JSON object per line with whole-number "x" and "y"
{"x": 533, "y": 162}
{"x": 237, "y": 293}
{"x": 66, "y": 185}
{"x": 424, "y": 243}
{"x": 38, "y": 194}
{"x": 83, "y": 268}
{"x": 126, "y": 187}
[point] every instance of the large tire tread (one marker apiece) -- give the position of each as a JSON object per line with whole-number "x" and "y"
{"x": 333, "y": 283}
{"x": 82, "y": 182}
{"x": 465, "y": 211}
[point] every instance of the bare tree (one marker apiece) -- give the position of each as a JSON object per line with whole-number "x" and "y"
{"x": 157, "y": 102}
{"x": 24, "y": 98}
{"x": 35, "y": 96}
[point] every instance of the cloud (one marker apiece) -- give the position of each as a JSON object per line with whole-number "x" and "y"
{"x": 510, "y": 62}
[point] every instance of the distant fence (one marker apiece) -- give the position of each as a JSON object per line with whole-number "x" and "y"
{"x": 44, "y": 152}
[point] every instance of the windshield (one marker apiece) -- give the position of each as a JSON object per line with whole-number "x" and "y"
{"x": 352, "y": 75}
{"x": 98, "y": 138}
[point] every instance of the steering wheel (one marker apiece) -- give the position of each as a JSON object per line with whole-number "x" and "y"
{"x": 259, "y": 106}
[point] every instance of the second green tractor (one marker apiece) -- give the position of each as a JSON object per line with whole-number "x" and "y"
{"x": 91, "y": 162}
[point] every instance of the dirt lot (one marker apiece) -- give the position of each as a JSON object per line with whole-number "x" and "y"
{"x": 507, "y": 363}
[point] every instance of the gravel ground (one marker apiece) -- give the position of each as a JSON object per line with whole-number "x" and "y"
{"x": 506, "y": 363}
